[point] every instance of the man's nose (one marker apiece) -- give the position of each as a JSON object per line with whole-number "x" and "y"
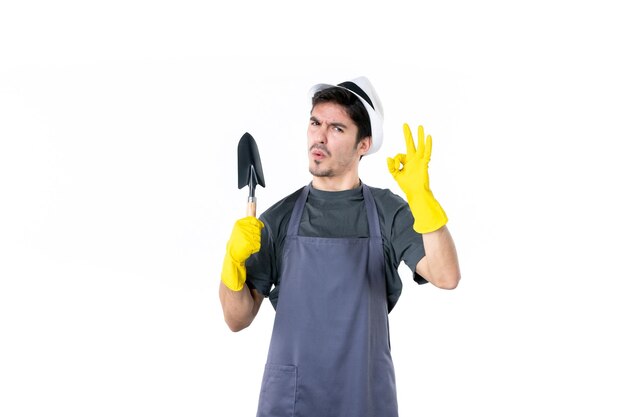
{"x": 322, "y": 133}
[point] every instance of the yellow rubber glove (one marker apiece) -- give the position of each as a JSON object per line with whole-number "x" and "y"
{"x": 410, "y": 171}
{"x": 245, "y": 240}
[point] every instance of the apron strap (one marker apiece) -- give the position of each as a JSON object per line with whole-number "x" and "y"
{"x": 372, "y": 213}
{"x": 296, "y": 214}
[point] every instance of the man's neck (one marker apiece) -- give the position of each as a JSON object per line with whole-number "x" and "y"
{"x": 335, "y": 183}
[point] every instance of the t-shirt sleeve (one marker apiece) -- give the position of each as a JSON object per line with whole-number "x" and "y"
{"x": 401, "y": 243}
{"x": 408, "y": 245}
{"x": 260, "y": 266}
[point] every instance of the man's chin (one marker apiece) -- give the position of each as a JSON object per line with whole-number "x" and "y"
{"x": 316, "y": 171}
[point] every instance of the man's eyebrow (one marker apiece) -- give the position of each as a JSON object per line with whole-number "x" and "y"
{"x": 335, "y": 124}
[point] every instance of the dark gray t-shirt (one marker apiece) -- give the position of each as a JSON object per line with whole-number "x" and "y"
{"x": 337, "y": 214}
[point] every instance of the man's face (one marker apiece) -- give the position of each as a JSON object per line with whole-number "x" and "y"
{"x": 332, "y": 134}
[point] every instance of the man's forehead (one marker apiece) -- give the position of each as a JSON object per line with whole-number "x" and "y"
{"x": 331, "y": 112}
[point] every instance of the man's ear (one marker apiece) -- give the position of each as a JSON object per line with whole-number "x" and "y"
{"x": 364, "y": 145}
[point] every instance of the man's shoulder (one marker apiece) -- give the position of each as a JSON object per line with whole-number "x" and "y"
{"x": 278, "y": 211}
{"x": 386, "y": 198}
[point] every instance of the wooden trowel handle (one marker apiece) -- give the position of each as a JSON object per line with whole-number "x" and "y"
{"x": 251, "y": 209}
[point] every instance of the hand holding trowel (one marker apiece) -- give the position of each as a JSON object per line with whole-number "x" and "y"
{"x": 250, "y": 169}
{"x": 245, "y": 238}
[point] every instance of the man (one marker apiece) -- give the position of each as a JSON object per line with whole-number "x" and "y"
{"x": 327, "y": 257}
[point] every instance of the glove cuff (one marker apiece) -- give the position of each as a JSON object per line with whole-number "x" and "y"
{"x": 233, "y": 273}
{"x": 428, "y": 215}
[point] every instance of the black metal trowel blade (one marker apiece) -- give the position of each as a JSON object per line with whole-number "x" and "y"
{"x": 249, "y": 163}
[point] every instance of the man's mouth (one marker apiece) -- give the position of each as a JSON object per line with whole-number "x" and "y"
{"x": 318, "y": 153}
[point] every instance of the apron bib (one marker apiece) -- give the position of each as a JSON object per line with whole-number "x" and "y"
{"x": 329, "y": 354}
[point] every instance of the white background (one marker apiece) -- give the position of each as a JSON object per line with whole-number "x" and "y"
{"x": 119, "y": 122}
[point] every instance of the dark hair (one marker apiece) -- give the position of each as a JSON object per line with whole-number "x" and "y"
{"x": 351, "y": 103}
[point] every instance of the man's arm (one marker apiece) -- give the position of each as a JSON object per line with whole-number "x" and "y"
{"x": 239, "y": 307}
{"x": 240, "y": 304}
{"x": 440, "y": 266}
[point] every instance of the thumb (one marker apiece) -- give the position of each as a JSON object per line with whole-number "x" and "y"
{"x": 396, "y": 164}
{"x": 391, "y": 166}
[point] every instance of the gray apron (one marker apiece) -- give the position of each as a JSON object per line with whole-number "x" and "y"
{"x": 329, "y": 355}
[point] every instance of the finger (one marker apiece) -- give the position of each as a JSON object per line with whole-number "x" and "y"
{"x": 254, "y": 240}
{"x": 420, "y": 141}
{"x": 428, "y": 147}
{"x": 408, "y": 139}
{"x": 396, "y": 163}
{"x": 251, "y": 221}
{"x": 250, "y": 228}
{"x": 400, "y": 161}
